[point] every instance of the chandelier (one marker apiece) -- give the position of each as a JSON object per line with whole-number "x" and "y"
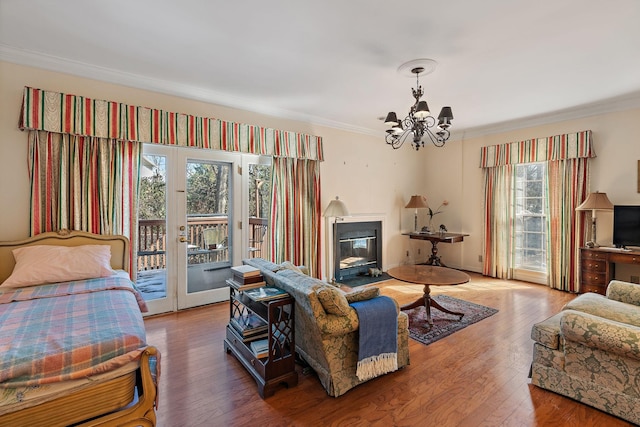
{"x": 420, "y": 124}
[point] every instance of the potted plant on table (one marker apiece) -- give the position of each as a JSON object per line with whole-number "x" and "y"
{"x": 433, "y": 213}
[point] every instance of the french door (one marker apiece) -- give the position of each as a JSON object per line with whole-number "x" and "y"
{"x": 186, "y": 226}
{"x": 192, "y": 205}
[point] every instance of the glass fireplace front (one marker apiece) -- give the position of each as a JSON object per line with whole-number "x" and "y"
{"x": 358, "y": 248}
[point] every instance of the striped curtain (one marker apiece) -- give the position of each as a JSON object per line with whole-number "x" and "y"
{"x": 83, "y": 183}
{"x": 296, "y": 213}
{"x": 567, "y": 175}
{"x": 566, "y": 227}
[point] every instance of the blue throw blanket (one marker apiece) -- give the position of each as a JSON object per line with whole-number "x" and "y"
{"x": 378, "y": 351}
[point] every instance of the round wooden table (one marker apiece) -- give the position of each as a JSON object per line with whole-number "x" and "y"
{"x": 429, "y": 275}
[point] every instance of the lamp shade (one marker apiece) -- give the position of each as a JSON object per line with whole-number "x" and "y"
{"x": 417, "y": 202}
{"x": 596, "y": 202}
{"x": 422, "y": 110}
{"x": 391, "y": 119}
{"x": 336, "y": 208}
{"x": 445, "y": 117}
{"x": 445, "y": 113}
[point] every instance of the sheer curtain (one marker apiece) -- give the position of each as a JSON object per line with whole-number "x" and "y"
{"x": 499, "y": 217}
{"x": 567, "y": 169}
{"x": 296, "y": 212}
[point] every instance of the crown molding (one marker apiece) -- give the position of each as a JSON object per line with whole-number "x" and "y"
{"x": 610, "y": 105}
{"x": 81, "y": 69}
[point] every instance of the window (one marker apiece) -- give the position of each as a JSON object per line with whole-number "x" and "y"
{"x": 530, "y": 248}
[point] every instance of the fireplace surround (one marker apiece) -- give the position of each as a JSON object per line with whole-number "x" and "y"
{"x": 357, "y": 248}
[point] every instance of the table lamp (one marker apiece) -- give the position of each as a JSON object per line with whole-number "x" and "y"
{"x": 595, "y": 202}
{"x": 417, "y": 202}
{"x": 335, "y": 209}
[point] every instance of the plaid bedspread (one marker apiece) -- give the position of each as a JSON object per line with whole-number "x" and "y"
{"x": 70, "y": 330}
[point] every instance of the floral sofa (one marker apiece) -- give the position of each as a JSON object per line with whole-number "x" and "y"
{"x": 326, "y": 326}
{"x": 590, "y": 351}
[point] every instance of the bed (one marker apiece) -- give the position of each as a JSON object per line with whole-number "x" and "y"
{"x": 109, "y": 375}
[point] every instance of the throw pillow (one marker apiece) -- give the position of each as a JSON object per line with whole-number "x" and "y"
{"x": 42, "y": 264}
{"x": 288, "y": 265}
{"x": 362, "y": 294}
{"x": 333, "y": 301}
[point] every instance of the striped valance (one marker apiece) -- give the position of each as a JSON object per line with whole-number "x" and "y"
{"x": 77, "y": 115}
{"x": 559, "y": 147}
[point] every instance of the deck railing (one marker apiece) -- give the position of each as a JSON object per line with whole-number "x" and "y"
{"x": 257, "y": 237}
{"x": 152, "y": 238}
{"x": 151, "y": 244}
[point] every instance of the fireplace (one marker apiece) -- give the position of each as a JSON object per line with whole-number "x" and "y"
{"x": 358, "y": 248}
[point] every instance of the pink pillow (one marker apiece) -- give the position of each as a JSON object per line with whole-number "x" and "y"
{"x": 41, "y": 264}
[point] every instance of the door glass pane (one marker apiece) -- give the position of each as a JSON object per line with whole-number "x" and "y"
{"x": 208, "y": 188}
{"x": 259, "y": 203}
{"x": 152, "y": 225}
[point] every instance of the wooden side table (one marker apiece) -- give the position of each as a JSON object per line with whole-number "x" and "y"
{"x": 278, "y": 367}
{"x": 429, "y": 275}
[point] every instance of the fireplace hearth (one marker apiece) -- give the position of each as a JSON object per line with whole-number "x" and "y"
{"x": 358, "y": 247}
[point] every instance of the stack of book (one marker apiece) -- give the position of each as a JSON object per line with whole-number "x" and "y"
{"x": 260, "y": 348}
{"x": 245, "y": 277}
{"x": 250, "y": 327}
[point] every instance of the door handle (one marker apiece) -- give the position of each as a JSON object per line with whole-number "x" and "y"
{"x": 183, "y": 239}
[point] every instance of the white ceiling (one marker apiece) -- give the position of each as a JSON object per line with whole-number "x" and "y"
{"x": 501, "y": 63}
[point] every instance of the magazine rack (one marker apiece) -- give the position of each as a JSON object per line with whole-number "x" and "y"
{"x": 279, "y": 365}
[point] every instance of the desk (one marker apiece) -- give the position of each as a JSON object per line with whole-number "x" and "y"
{"x": 436, "y": 238}
{"x": 597, "y": 267}
{"x": 428, "y": 275}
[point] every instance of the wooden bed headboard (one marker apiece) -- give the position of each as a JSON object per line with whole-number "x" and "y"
{"x": 119, "y": 247}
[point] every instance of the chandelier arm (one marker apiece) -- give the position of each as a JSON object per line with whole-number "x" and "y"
{"x": 439, "y": 138}
{"x": 429, "y": 121}
{"x": 396, "y": 140}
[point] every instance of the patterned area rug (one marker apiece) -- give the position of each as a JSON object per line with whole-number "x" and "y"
{"x": 445, "y": 324}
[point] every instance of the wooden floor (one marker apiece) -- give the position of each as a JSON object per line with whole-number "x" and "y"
{"x": 475, "y": 377}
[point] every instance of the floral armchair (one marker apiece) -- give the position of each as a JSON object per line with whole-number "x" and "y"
{"x": 590, "y": 351}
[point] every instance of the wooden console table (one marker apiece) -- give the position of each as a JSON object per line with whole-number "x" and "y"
{"x": 597, "y": 267}
{"x": 436, "y": 238}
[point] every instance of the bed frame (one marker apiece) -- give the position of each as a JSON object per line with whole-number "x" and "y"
{"x": 94, "y": 405}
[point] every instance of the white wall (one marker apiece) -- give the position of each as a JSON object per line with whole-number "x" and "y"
{"x": 368, "y": 175}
